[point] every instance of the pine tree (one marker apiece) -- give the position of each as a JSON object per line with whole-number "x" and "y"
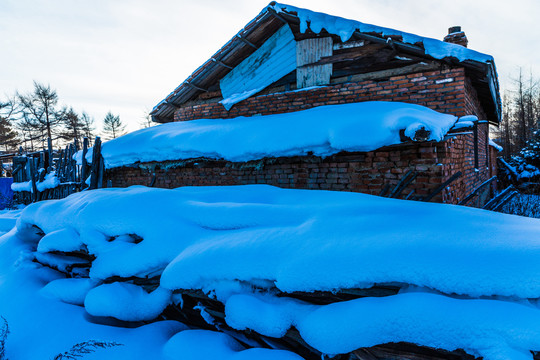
{"x": 76, "y": 126}
{"x": 113, "y": 126}
{"x": 8, "y": 136}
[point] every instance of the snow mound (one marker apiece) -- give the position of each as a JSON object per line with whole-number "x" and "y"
{"x": 126, "y": 302}
{"x": 204, "y": 236}
{"x": 71, "y": 291}
{"x": 65, "y": 240}
{"x": 475, "y": 274}
{"x": 8, "y": 219}
{"x": 489, "y": 328}
{"x": 205, "y": 344}
{"x": 321, "y": 131}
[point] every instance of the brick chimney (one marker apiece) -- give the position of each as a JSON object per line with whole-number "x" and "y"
{"x": 456, "y": 36}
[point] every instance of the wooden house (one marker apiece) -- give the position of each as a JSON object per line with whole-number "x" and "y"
{"x": 289, "y": 59}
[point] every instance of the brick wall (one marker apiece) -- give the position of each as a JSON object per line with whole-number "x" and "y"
{"x": 365, "y": 172}
{"x": 448, "y": 91}
{"x": 459, "y": 155}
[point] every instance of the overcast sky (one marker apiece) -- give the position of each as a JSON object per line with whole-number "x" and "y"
{"x": 126, "y": 56}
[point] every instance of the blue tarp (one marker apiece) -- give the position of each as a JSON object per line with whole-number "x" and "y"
{"x": 6, "y": 195}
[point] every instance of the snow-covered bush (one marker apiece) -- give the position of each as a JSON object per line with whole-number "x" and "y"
{"x": 87, "y": 347}
{"x": 531, "y": 152}
{"x": 527, "y": 163}
{"x": 4, "y": 331}
{"x": 524, "y": 205}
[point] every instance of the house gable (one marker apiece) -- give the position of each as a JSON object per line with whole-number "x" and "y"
{"x": 329, "y": 50}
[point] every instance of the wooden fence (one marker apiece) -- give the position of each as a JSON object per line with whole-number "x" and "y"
{"x": 50, "y": 174}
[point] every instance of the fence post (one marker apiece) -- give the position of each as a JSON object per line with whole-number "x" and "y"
{"x": 84, "y": 163}
{"x": 96, "y": 160}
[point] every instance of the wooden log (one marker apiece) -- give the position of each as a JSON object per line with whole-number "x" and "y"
{"x": 385, "y": 74}
{"x": 95, "y": 164}
{"x": 84, "y": 163}
{"x": 493, "y": 202}
{"x": 408, "y": 197}
{"x": 399, "y": 184}
{"x": 33, "y": 179}
{"x": 101, "y": 172}
{"x": 50, "y": 152}
{"x": 505, "y": 200}
{"x": 442, "y": 186}
{"x": 384, "y": 190}
{"x": 404, "y": 185}
{"x": 59, "y": 165}
{"x": 476, "y": 190}
{"x": 363, "y": 354}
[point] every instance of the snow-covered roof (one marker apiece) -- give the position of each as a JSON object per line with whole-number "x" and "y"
{"x": 345, "y": 28}
{"x": 495, "y": 145}
{"x": 272, "y": 18}
{"x": 322, "y": 131}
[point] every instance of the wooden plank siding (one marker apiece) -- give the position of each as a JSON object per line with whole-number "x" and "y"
{"x": 310, "y": 51}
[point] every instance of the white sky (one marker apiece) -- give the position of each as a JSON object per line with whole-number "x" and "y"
{"x": 126, "y": 56}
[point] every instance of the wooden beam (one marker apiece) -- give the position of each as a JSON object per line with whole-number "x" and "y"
{"x": 273, "y": 12}
{"x": 350, "y": 55}
{"x": 442, "y": 186}
{"x": 349, "y": 44}
{"x": 384, "y": 74}
{"x": 219, "y": 62}
{"x": 246, "y": 41}
{"x": 194, "y": 87}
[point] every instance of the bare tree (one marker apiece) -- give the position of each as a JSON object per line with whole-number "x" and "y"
{"x": 88, "y": 128}
{"x": 525, "y": 109}
{"x": 39, "y": 112}
{"x": 146, "y": 121}
{"x": 113, "y": 126}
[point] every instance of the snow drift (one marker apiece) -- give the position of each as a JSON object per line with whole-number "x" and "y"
{"x": 470, "y": 278}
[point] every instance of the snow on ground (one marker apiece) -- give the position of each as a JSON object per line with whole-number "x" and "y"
{"x": 41, "y": 326}
{"x": 323, "y": 131}
{"x": 201, "y": 344}
{"x": 8, "y": 219}
{"x": 471, "y": 277}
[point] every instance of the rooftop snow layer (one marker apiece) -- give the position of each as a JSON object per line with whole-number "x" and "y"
{"x": 495, "y": 145}
{"x": 323, "y": 131}
{"x": 344, "y": 28}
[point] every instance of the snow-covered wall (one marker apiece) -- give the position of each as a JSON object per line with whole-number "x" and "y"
{"x": 321, "y": 131}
